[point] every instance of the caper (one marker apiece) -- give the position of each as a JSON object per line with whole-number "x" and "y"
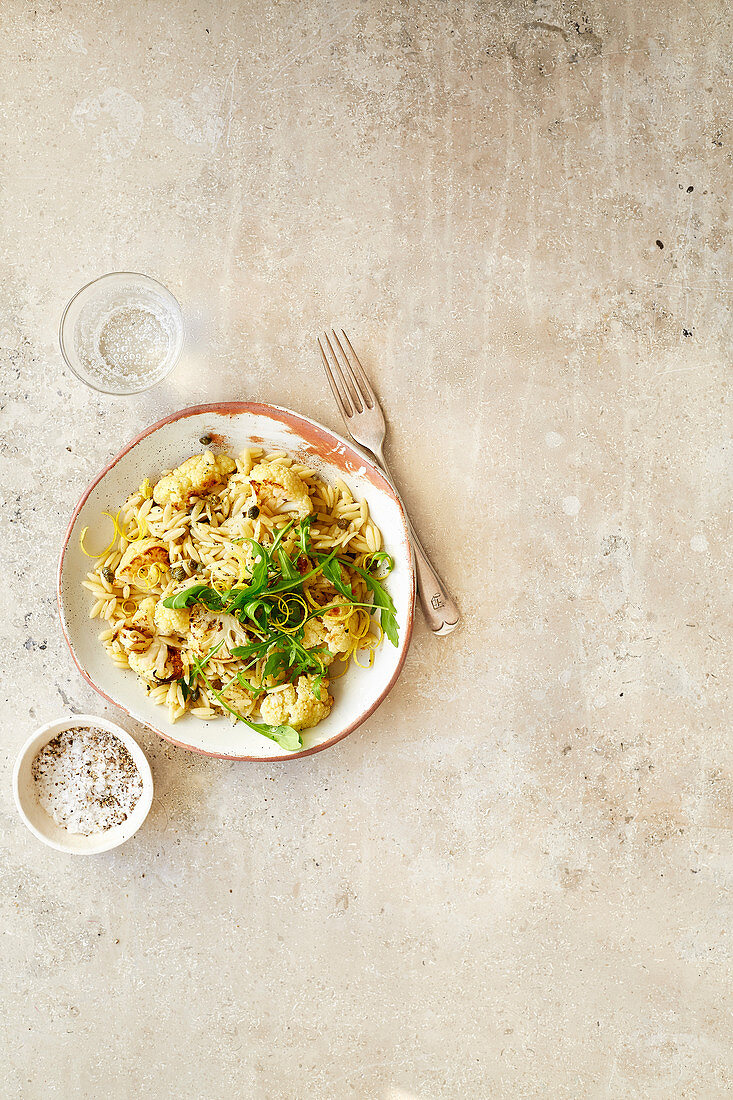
{"x": 194, "y": 566}
{"x": 108, "y": 573}
{"x": 206, "y": 440}
{"x": 178, "y": 573}
{"x": 342, "y": 524}
{"x": 253, "y": 512}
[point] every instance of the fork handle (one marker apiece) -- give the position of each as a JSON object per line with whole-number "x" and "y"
{"x": 439, "y": 609}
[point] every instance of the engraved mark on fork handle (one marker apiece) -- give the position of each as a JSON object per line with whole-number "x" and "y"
{"x": 440, "y": 611}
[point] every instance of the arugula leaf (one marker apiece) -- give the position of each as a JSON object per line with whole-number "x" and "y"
{"x": 304, "y": 534}
{"x": 258, "y": 580}
{"x": 196, "y": 593}
{"x": 281, "y": 535}
{"x": 318, "y": 683}
{"x": 306, "y": 576}
{"x": 236, "y": 597}
{"x": 378, "y": 558}
{"x": 318, "y": 611}
{"x": 332, "y": 572}
{"x": 188, "y": 684}
{"x": 383, "y": 601}
{"x": 201, "y": 662}
{"x": 285, "y": 736}
{"x": 254, "y": 649}
{"x": 278, "y": 642}
{"x": 256, "y": 611}
{"x": 288, "y": 570}
{"x": 247, "y": 684}
{"x": 275, "y": 663}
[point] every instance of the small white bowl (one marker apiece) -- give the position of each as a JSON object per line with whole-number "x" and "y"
{"x": 42, "y": 824}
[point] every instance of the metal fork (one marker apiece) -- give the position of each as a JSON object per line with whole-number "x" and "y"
{"x": 364, "y": 420}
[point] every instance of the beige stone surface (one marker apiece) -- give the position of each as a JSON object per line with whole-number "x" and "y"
{"x": 514, "y": 880}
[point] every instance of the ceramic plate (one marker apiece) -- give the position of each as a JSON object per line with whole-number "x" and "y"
{"x": 233, "y": 427}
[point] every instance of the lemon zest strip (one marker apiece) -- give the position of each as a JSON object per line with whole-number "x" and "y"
{"x": 102, "y": 553}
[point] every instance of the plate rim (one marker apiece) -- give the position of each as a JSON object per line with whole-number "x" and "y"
{"x": 292, "y": 419}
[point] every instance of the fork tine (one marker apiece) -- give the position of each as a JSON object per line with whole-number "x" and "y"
{"x": 369, "y": 396}
{"x": 346, "y": 373}
{"x": 342, "y": 400}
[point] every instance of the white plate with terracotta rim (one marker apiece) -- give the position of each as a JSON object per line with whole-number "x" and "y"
{"x": 232, "y": 427}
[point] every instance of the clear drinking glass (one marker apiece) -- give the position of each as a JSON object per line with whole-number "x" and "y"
{"x": 122, "y": 333}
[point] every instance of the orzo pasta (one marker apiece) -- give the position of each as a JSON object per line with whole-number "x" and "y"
{"x": 236, "y": 587}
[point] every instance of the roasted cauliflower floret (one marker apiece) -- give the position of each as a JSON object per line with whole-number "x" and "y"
{"x": 280, "y": 489}
{"x": 150, "y": 665}
{"x": 168, "y": 620}
{"x": 207, "y": 629}
{"x": 144, "y": 618}
{"x": 299, "y": 706}
{"x": 329, "y": 631}
{"x": 193, "y": 478}
{"x": 314, "y": 636}
{"x": 143, "y": 554}
{"x": 338, "y": 638}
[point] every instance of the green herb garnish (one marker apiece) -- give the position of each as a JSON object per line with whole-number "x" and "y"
{"x": 270, "y": 606}
{"x": 382, "y": 600}
{"x": 197, "y": 593}
{"x": 285, "y": 736}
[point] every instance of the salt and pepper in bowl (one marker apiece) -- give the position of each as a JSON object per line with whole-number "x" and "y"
{"x": 82, "y": 784}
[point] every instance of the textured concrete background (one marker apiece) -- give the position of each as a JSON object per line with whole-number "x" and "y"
{"x": 511, "y": 882}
